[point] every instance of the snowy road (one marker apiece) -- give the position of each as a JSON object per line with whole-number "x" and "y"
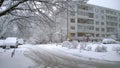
{"x": 50, "y": 56}
{"x": 17, "y": 61}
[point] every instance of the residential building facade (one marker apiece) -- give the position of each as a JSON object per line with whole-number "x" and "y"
{"x": 93, "y": 21}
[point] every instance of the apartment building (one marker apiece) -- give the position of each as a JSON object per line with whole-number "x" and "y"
{"x": 93, "y": 21}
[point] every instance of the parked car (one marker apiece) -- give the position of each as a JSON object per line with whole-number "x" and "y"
{"x": 10, "y": 42}
{"x": 109, "y": 41}
{"x": 21, "y": 41}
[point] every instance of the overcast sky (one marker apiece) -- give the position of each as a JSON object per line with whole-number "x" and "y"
{"x": 114, "y": 4}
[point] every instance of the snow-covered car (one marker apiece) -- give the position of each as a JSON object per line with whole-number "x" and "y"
{"x": 109, "y": 41}
{"x": 10, "y": 42}
{"x": 20, "y": 41}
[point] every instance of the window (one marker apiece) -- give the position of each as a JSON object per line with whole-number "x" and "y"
{"x": 109, "y": 29}
{"x": 72, "y": 34}
{"x": 102, "y": 23}
{"x": 91, "y": 27}
{"x": 102, "y": 29}
{"x": 72, "y": 20}
{"x": 97, "y": 23}
{"x": 97, "y": 29}
{"x": 97, "y": 35}
{"x": 91, "y": 22}
{"x": 96, "y": 16}
{"x": 82, "y": 20}
{"x": 82, "y": 13}
{"x": 91, "y": 15}
{"x": 72, "y": 27}
{"x": 96, "y": 10}
{"x": 111, "y": 23}
{"x": 102, "y": 11}
{"x": 72, "y": 13}
{"x": 81, "y": 34}
{"x": 103, "y": 35}
{"x": 119, "y": 14}
{"x": 102, "y": 17}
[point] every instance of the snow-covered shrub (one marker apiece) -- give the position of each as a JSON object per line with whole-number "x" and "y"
{"x": 70, "y": 44}
{"x": 104, "y": 48}
{"x": 88, "y": 48}
{"x": 101, "y": 49}
{"x": 83, "y": 46}
{"x": 117, "y": 49}
{"x": 98, "y": 49}
{"x": 74, "y": 44}
{"x": 66, "y": 44}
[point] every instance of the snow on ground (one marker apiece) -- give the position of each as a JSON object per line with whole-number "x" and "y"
{"x": 20, "y": 61}
{"x": 17, "y": 61}
{"x": 110, "y": 55}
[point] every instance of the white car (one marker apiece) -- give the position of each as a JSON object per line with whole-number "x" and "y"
{"x": 109, "y": 41}
{"x": 20, "y": 41}
{"x": 10, "y": 42}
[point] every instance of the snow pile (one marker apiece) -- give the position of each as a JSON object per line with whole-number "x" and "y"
{"x": 17, "y": 61}
{"x": 101, "y": 49}
{"x": 117, "y": 49}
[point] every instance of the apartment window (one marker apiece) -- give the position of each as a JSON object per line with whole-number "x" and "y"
{"x": 72, "y": 20}
{"x": 72, "y": 13}
{"x": 108, "y": 35}
{"x": 111, "y": 23}
{"x": 96, "y": 16}
{"x": 97, "y": 35}
{"x": 91, "y": 15}
{"x": 102, "y": 23}
{"x": 81, "y": 34}
{"x": 91, "y": 27}
{"x": 84, "y": 7}
{"x": 103, "y": 35}
{"x": 96, "y": 10}
{"x": 97, "y": 29}
{"x": 102, "y": 29}
{"x": 102, "y": 17}
{"x": 82, "y": 20}
{"x": 72, "y": 34}
{"x": 97, "y": 23}
{"x": 72, "y": 27}
{"x": 109, "y": 29}
{"x": 91, "y": 22}
{"x": 119, "y": 14}
{"x": 102, "y": 11}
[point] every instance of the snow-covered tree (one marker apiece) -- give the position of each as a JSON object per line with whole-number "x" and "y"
{"x": 25, "y": 12}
